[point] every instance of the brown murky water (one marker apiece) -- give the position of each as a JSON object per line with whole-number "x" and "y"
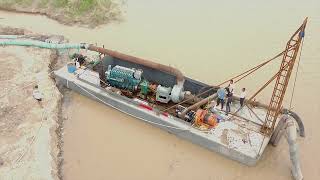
{"x": 209, "y": 41}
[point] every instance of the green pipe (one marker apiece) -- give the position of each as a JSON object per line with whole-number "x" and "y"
{"x": 40, "y": 44}
{"x": 96, "y": 62}
{"x": 9, "y": 36}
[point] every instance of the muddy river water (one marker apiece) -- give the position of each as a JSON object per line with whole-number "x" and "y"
{"x": 208, "y": 40}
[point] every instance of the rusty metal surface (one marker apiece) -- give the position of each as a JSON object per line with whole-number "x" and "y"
{"x": 288, "y": 60}
{"x": 161, "y": 67}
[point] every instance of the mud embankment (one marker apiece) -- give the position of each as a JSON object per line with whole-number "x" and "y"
{"x": 82, "y": 13}
{"x": 31, "y": 132}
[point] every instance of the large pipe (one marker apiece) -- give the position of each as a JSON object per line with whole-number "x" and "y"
{"x": 136, "y": 60}
{"x": 13, "y": 40}
{"x": 287, "y": 126}
{"x": 296, "y": 117}
{"x": 197, "y": 105}
{"x": 41, "y": 44}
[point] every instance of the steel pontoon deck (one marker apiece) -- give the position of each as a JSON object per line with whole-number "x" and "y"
{"x": 233, "y": 138}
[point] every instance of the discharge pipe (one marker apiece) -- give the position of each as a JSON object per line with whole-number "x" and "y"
{"x": 287, "y": 126}
{"x": 7, "y": 40}
{"x": 197, "y": 105}
{"x": 9, "y": 36}
{"x": 41, "y": 44}
{"x": 147, "y": 63}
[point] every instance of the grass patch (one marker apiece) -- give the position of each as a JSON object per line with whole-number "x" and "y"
{"x": 25, "y": 2}
{"x": 90, "y": 12}
{"x": 60, "y": 3}
{"x": 43, "y": 3}
{"x": 85, "y": 5}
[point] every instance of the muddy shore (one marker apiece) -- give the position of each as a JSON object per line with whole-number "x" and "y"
{"x": 86, "y": 14}
{"x": 31, "y": 132}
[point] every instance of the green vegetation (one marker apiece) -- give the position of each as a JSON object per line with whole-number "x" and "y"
{"x": 59, "y": 3}
{"x": 90, "y": 12}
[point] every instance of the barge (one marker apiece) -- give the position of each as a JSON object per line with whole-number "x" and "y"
{"x": 233, "y": 138}
{"x": 163, "y": 97}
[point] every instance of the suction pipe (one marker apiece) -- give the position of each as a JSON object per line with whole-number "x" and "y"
{"x": 147, "y": 63}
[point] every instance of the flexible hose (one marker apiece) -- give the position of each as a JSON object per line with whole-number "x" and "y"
{"x": 41, "y": 44}
{"x": 297, "y": 118}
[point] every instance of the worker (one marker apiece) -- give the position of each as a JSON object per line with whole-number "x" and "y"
{"x": 77, "y": 65}
{"x": 242, "y": 96}
{"x": 37, "y": 94}
{"x": 79, "y": 58}
{"x": 229, "y": 100}
{"x": 231, "y": 86}
{"x": 221, "y": 95}
{"x": 212, "y": 107}
{"x": 228, "y": 91}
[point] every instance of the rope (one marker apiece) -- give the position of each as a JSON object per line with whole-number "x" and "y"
{"x": 296, "y": 75}
{"x": 172, "y": 127}
{"x": 18, "y": 160}
{"x": 254, "y": 95}
{"x": 244, "y": 74}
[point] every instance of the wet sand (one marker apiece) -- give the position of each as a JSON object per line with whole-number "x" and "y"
{"x": 209, "y": 44}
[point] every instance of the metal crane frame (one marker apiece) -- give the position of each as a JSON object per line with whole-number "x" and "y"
{"x": 288, "y": 60}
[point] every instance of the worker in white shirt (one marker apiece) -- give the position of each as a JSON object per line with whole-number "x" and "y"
{"x": 231, "y": 86}
{"x": 242, "y": 96}
{"x": 37, "y": 94}
{"x": 77, "y": 65}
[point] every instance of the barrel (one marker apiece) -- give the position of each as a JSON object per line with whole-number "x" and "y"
{"x": 71, "y": 67}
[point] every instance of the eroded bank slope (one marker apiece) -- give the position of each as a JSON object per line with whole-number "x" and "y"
{"x": 82, "y": 12}
{"x": 29, "y": 131}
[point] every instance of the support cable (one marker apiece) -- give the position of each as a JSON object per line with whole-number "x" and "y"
{"x": 244, "y": 74}
{"x": 255, "y": 94}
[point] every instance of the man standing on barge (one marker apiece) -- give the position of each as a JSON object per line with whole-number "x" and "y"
{"x": 221, "y": 95}
{"x": 231, "y": 86}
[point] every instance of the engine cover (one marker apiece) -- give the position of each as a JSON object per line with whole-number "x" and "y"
{"x": 123, "y": 77}
{"x": 163, "y": 94}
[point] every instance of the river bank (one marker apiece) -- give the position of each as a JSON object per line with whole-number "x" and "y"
{"x": 31, "y": 132}
{"x": 28, "y": 144}
{"x": 87, "y": 13}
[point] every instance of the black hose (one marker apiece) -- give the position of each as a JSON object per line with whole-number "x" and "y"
{"x": 296, "y": 117}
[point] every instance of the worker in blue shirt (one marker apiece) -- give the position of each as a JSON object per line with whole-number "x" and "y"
{"x": 221, "y": 95}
